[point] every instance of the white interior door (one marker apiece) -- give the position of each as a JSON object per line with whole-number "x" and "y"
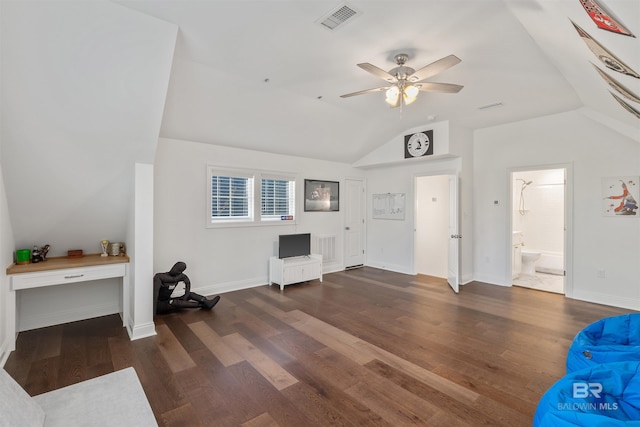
{"x": 354, "y": 223}
{"x": 453, "y": 269}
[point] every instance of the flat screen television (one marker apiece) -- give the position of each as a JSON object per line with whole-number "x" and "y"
{"x": 292, "y": 245}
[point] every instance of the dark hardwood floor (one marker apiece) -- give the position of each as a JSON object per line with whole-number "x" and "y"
{"x": 365, "y": 347}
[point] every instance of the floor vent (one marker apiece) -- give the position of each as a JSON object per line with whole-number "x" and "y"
{"x": 338, "y": 16}
{"x": 325, "y": 246}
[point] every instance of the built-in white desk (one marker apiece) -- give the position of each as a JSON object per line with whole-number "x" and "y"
{"x": 61, "y": 270}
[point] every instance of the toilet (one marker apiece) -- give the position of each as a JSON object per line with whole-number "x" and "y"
{"x": 529, "y": 259}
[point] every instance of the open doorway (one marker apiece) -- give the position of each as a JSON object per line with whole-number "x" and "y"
{"x": 538, "y": 229}
{"x": 437, "y": 239}
{"x": 432, "y": 203}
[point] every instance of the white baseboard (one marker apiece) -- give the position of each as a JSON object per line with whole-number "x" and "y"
{"x": 220, "y": 288}
{"x": 492, "y": 280}
{"x": 390, "y": 267}
{"x": 141, "y": 331}
{"x": 332, "y": 269}
{"x": 604, "y": 299}
{"x": 4, "y": 353}
{"x": 465, "y": 279}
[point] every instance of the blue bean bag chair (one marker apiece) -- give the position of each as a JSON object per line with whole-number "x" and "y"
{"x": 601, "y": 396}
{"x": 612, "y": 339}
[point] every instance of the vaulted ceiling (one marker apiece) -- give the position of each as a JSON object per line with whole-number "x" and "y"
{"x": 88, "y": 86}
{"x": 266, "y": 75}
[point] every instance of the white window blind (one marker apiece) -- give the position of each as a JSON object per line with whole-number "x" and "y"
{"x": 277, "y": 198}
{"x": 243, "y": 197}
{"x": 231, "y": 197}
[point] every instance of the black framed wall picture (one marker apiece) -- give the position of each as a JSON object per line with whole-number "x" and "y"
{"x": 321, "y": 196}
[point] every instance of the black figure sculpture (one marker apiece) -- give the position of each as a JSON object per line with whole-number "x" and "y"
{"x": 165, "y": 283}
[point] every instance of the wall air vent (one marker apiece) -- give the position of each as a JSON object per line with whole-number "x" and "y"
{"x": 338, "y": 16}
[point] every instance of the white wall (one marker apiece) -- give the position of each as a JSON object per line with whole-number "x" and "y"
{"x": 599, "y": 243}
{"x": 6, "y": 257}
{"x": 392, "y": 152}
{"x": 223, "y": 259}
{"x": 6, "y": 249}
{"x": 390, "y": 243}
{"x": 83, "y": 90}
{"x": 138, "y": 301}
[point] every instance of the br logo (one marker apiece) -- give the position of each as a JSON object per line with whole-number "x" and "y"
{"x": 583, "y": 390}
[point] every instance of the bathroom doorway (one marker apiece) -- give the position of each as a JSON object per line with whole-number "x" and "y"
{"x": 539, "y": 228}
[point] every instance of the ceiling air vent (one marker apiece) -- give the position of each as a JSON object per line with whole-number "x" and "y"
{"x": 495, "y": 104}
{"x": 338, "y": 16}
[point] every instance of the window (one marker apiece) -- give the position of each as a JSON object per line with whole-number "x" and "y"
{"x": 231, "y": 197}
{"x": 277, "y": 199}
{"x": 235, "y": 199}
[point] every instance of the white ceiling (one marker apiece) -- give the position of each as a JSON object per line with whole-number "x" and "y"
{"x": 265, "y": 75}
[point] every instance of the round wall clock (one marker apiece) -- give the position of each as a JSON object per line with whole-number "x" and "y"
{"x": 418, "y": 144}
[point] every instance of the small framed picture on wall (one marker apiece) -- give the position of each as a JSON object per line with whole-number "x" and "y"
{"x": 321, "y": 196}
{"x": 620, "y": 196}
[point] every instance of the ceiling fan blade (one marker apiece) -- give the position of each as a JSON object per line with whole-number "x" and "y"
{"x": 434, "y": 68}
{"x": 378, "y": 72}
{"x": 439, "y": 87}
{"x": 362, "y": 92}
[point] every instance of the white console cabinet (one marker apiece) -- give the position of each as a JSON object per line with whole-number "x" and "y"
{"x": 294, "y": 270}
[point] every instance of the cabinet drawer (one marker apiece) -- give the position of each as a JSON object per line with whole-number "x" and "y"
{"x": 71, "y": 275}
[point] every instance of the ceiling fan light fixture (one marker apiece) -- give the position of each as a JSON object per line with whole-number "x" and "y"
{"x": 392, "y": 95}
{"x": 410, "y": 93}
{"x": 407, "y": 99}
{"x": 406, "y": 83}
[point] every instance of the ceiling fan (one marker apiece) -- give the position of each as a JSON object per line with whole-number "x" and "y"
{"x": 406, "y": 82}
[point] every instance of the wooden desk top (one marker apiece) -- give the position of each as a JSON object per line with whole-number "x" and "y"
{"x": 60, "y": 263}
